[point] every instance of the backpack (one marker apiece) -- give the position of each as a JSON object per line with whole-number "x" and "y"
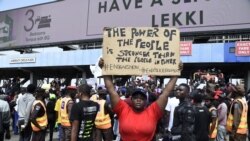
{"x": 188, "y": 118}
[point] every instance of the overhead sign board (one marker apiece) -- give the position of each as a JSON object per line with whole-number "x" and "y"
{"x": 187, "y": 15}
{"x": 141, "y": 51}
{"x": 43, "y": 24}
{"x": 242, "y": 48}
{"x": 85, "y": 19}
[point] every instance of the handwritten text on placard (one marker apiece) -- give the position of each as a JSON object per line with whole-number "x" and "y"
{"x": 138, "y": 51}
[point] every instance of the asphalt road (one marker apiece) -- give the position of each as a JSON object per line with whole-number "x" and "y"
{"x": 16, "y": 137}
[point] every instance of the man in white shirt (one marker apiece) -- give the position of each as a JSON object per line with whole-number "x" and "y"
{"x": 4, "y": 120}
{"x": 24, "y": 108}
{"x": 172, "y": 103}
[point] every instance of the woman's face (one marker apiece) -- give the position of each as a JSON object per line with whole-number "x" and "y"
{"x": 138, "y": 102}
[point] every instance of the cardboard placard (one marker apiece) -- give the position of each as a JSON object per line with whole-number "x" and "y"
{"x": 140, "y": 51}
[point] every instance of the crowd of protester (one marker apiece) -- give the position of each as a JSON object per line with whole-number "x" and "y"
{"x": 127, "y": 109}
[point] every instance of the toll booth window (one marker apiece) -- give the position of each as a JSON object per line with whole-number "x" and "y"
{"x": 232, "y": 50}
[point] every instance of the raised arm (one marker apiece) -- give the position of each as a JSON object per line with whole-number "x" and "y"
{"x": 163, "y": 98}
{"x": 114, "y": 97}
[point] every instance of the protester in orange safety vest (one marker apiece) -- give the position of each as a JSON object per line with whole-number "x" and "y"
{"x": 66, "y": 105}
{"x": 103, "y": 124}
{"x": 39, "y": 120}
{"x": 237, "y": 118}
{"x": 210, "y": 103}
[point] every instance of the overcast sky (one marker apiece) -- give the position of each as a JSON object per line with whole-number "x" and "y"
{"x": 13, "y": 4}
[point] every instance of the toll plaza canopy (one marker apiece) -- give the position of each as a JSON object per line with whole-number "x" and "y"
{"x": 72, "y": 63}
{"x": 49, "y": 64}
{"x": 45, "y": 26}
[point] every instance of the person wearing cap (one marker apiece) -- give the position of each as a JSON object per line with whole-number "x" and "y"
{"x": 83, "y": 115}
{"x": 138, "y": 122}
{"x": 210, "y": 102}
{"x": 103, "y": 121}
{"x": 237, "y": 118}
{"x": 202, "y": 117}
{"x": 38, "y": 116}
{"x": 66, "y": 106}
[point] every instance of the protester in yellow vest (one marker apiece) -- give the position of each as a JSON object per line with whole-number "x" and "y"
{"x": 237, "y": 118}
{"x": 214, "y": 123}
{"x": 210, "y": 103}
{"x": 58, "y": 114}
{"x": 39, "y": 120}
{"x": 103, "y": 124}
{"x": 66, "y": 105}
{"x": 94, "y": 95}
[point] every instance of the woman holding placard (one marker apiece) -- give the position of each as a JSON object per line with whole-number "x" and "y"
{"x": 138, "y": 122}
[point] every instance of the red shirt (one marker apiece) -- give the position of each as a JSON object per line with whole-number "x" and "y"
{"x": 137, "y": 126}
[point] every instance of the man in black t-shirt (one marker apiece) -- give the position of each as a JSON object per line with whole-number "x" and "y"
{"x": 83, "y": 115}
{"x": 184, "y": 116}
{"x": 202, "y": 117}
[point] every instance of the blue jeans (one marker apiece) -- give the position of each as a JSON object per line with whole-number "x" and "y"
{"x": 60, "y": 132}
{"x": 15, "y": 124}
{"x": 221, "y": 133}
